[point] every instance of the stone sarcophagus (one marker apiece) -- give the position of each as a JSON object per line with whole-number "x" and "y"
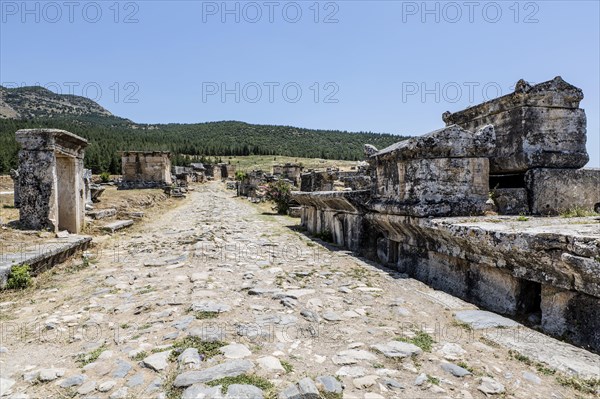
{"x": 51, "y": 187}
{"x": 537, "y": 126}
{"x": 445, "y": 172}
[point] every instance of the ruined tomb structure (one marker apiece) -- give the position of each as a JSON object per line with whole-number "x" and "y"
{"x": 526, "y": 150}
{"x": 50, "y": 180}
{"x": 540, "y": 148}
{"x": 290, "y": 171}
{"x": 145, "y": 169}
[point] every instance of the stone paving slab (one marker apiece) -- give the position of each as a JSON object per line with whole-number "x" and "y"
{"x": 118, "y": 225}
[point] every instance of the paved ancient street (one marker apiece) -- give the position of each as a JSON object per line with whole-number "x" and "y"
{"x": 266, "y": 306}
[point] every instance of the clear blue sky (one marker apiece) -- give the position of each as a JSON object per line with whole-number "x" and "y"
{"x": 381, "y": 66}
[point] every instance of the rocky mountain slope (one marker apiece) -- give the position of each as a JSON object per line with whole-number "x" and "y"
{"x": 38, "y": 102}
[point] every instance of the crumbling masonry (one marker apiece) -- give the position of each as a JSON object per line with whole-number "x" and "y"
{"x": 525, "y": 152}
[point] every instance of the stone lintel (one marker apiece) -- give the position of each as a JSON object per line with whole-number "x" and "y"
{"x": 57, "y": 140}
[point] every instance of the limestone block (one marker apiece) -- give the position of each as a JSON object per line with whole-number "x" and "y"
{"x": 442, "y": 173}
{"x": 552, "y": 191}
{"x": 511, "y": 201}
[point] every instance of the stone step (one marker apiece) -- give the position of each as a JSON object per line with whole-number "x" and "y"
{"x": 118, "y": 225}
{"x": 101, "y": 213}
{"x": 41, "y": 256}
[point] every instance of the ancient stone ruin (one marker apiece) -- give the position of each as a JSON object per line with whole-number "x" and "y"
{"x": 540, "y": 145}
{"x": 334, "y": 179}
{"x": 520, "y": 153}
{"x": 50, "y": 180}
{"x": 289, "y": 171}
{"x": 145, "y": 169}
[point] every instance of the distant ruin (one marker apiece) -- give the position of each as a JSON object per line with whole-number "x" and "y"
{"x": 518, "y": 154}
{"x": 145, "y": 169}
{"x": 50, "y": 180}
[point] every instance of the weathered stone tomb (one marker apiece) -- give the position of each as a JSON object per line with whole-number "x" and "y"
{"x": 50, "y": 180}
{"x": 145, "y": 169}
{"x": 540, "y": 147}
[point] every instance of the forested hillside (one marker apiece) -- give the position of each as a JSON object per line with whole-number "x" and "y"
{"x": 108, "y": 135}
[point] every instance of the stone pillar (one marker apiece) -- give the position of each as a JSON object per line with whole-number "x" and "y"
{"x": 50, "y": 183}
{"x": 14, "y": 174}
{"x": 87, "y": 181}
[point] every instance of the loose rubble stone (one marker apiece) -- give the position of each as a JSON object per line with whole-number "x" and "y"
{"x": 455, "y": 370}
{"x": 452, "y": 351}
{"x": 239, "y": 391}
{"x": 490, "y": 386}
{"x": 331, "y": 316}
{"x": 106, "y": 386}
{"x": 123, "y": 368}
{"x": 421, "y": 379}
{"x": 392, "y": 384}
{"x": 365, "y": 382}
{"x": 87, "y": 388}
{"x": 120, "y": 393}
{"x": 183, "y": 323}
{"x": 351, "y": 371}
{"x": 235, "y": 351}
{"x": 329, "y": 384}
{"x": 158, "y": 361}
{"x": 136, "y": 380}
{"x": 190, "y": 358}
{"x": 202, "y": 391}
{"x": 73, "y": 381}
{"x": 308, "y": 389}
{"x": 50, "y": 374}
{"x": 270, "y": 363}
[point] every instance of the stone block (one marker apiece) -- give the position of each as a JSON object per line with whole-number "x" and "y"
{"x": 118, "y": 225}
{"x": 571, "y": 315}
{"x": 511, "y": 201}
{"x": 552, "y": 191}
{"x": 102, "y": 213}
{"x": 442, "y": 173}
